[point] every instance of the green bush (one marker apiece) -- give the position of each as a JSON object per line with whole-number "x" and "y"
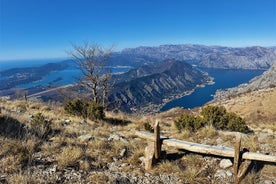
{"x": 76, "y": 107}
{"x": 189, "y": 122}
{"x": 220, "y": 119}
{"x": 213, "y": 114}
{"x": 90, "y": 110}
{"x": 217, "y": 116}
{"x": 40, "y": 126}
{"x": 95, "y": 111}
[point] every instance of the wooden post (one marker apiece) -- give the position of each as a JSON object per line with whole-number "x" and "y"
{"x": 157, "y": 141}
{"x": 242, "y": 171}
{"x": 237, "y": 157}
{"x": 149, "y": 154}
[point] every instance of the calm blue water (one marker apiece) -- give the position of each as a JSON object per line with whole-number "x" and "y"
{"x": 223, "y": 79}
{"x": 63, "y": 77}
{"x": 58, "y": 78}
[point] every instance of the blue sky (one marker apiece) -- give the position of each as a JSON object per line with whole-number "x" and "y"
{"x": 46, "y": 28}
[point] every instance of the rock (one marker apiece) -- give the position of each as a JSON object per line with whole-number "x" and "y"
{"x": 83, "y": 122}
{"x": 268, "y": 182}
{"x": 262, "y": 136}
{"x": 142, "y": 159}
{"x": 123, "y": 152}
{"x": 54, "y": 169}
{"x": 117, "y": 138}
{"x": 229, "y": 173}
{"x": 124, "y": 165}
{"x": 122, "y": 180}
{"x": 225, "y": 163}
{"x": 67, "y": 121}
{"x": 113, "y": 137}
{"x": 85, "y": 138}
{"x": 220, "y": 174}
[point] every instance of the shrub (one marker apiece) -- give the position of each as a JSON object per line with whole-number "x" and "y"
{"x": 19, "y": 151}
{"x": 220, "y": 119}
{"x": 189, "y": 122}
{"x": 148, "y": 127}
{"x": 213, "y": 114}
{"x": 89, "y": 110}
{"x": 95, "y": 111}
{"x": 76, "y": 107}
{"x": 40, "y": 125}
{"x": 236, "y": 123}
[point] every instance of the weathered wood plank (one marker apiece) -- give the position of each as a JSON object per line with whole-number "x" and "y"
{"x": 149, "y": 156}
{"x": 237, "y": 155}
{"x": 157, "y": 141}
{"x": 207, "y": 149}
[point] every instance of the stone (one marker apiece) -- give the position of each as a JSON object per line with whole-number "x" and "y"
{"x": 83, "y": 122}
{"x": 116, "y": 138}
{"x": 225, "y": 163}
{"x": 123, "y": 152}
{"x": 142, "y": 159}
{"x": 229, "y": 173}
{"x": 268, "y": 182}
{"x": 113, "y": 137}
{"x": 262, "y": 136}
{"x": 220, "y": 174}
{"x": 67, "y": 121}
{"x": 85, "y": 138}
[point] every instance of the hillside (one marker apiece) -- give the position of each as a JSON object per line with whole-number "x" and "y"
{"x": 210, "y": 56}
{"x": 152, "y": 85}
{"x": 257, "y": 107}
{"x": 60, "y": 148}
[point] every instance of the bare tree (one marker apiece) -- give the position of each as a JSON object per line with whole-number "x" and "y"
{"x": 91, "y": 59}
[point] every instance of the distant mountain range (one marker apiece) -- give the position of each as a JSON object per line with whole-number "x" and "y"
{"x": 152, "y": 84}
{"x": 266, "y": 80}
{"x": 207, "y": 56}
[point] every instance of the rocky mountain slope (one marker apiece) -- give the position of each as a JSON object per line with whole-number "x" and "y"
{"x": 264, "y": 81}
{"x": 87, "y": 151}
{"x": 210, "y": 56}
{"x": 152, "y": 84}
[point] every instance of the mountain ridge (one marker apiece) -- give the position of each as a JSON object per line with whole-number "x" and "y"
{"x": 131, "y": 94}
{"x": 220, "y": 57}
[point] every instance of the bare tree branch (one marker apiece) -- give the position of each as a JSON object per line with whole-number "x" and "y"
{"x": 91, "y": 60}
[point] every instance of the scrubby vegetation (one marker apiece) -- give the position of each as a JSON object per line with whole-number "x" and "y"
{"x": 90, "y": 110}
{"x": 40, "y": 125}
{"x": 216, "y": 116}
{"x": 148, "y": 127}
{"x": 47, "y": 143}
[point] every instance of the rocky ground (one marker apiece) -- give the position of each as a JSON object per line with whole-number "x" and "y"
{"x": 83, "y": 151}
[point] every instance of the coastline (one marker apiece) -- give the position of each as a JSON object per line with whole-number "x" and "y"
{"x": 155, "y": 108}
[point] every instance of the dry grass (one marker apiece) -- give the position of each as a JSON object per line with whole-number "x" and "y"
{"x": 256, "y": 107}
{"x": 98, "y": 178}
{"x": 65, "y": 149}
{"x": 168, "y": 167}
{"x": 207, "y": 132}
{"x": 69, "y": 156}
{"x": 19, "y": 179}
{"x": 250, "y": 142}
